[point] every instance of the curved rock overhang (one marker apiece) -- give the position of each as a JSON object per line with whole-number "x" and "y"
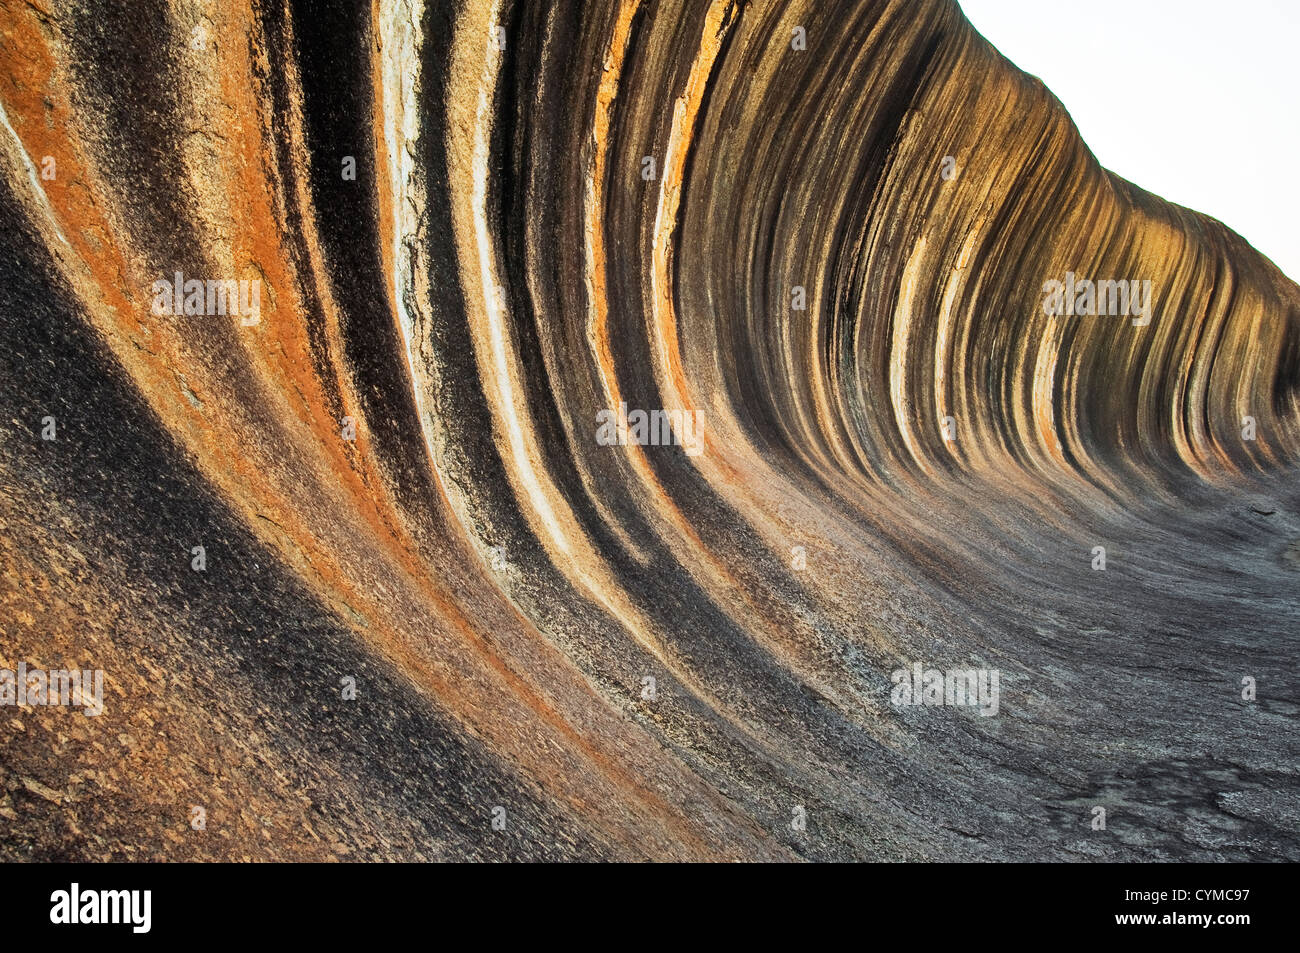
{"x": 470, "y": 243}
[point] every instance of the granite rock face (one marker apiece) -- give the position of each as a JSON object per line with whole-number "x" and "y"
{"x": 590, "y": 423}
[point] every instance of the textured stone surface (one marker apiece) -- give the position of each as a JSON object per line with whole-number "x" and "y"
{"x": 497, "y": 582}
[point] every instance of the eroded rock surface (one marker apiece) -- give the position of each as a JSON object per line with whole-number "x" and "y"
{"x": 817, "y": 233}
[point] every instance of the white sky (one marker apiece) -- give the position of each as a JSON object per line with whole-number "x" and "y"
{"x": 1197, "y": 101}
